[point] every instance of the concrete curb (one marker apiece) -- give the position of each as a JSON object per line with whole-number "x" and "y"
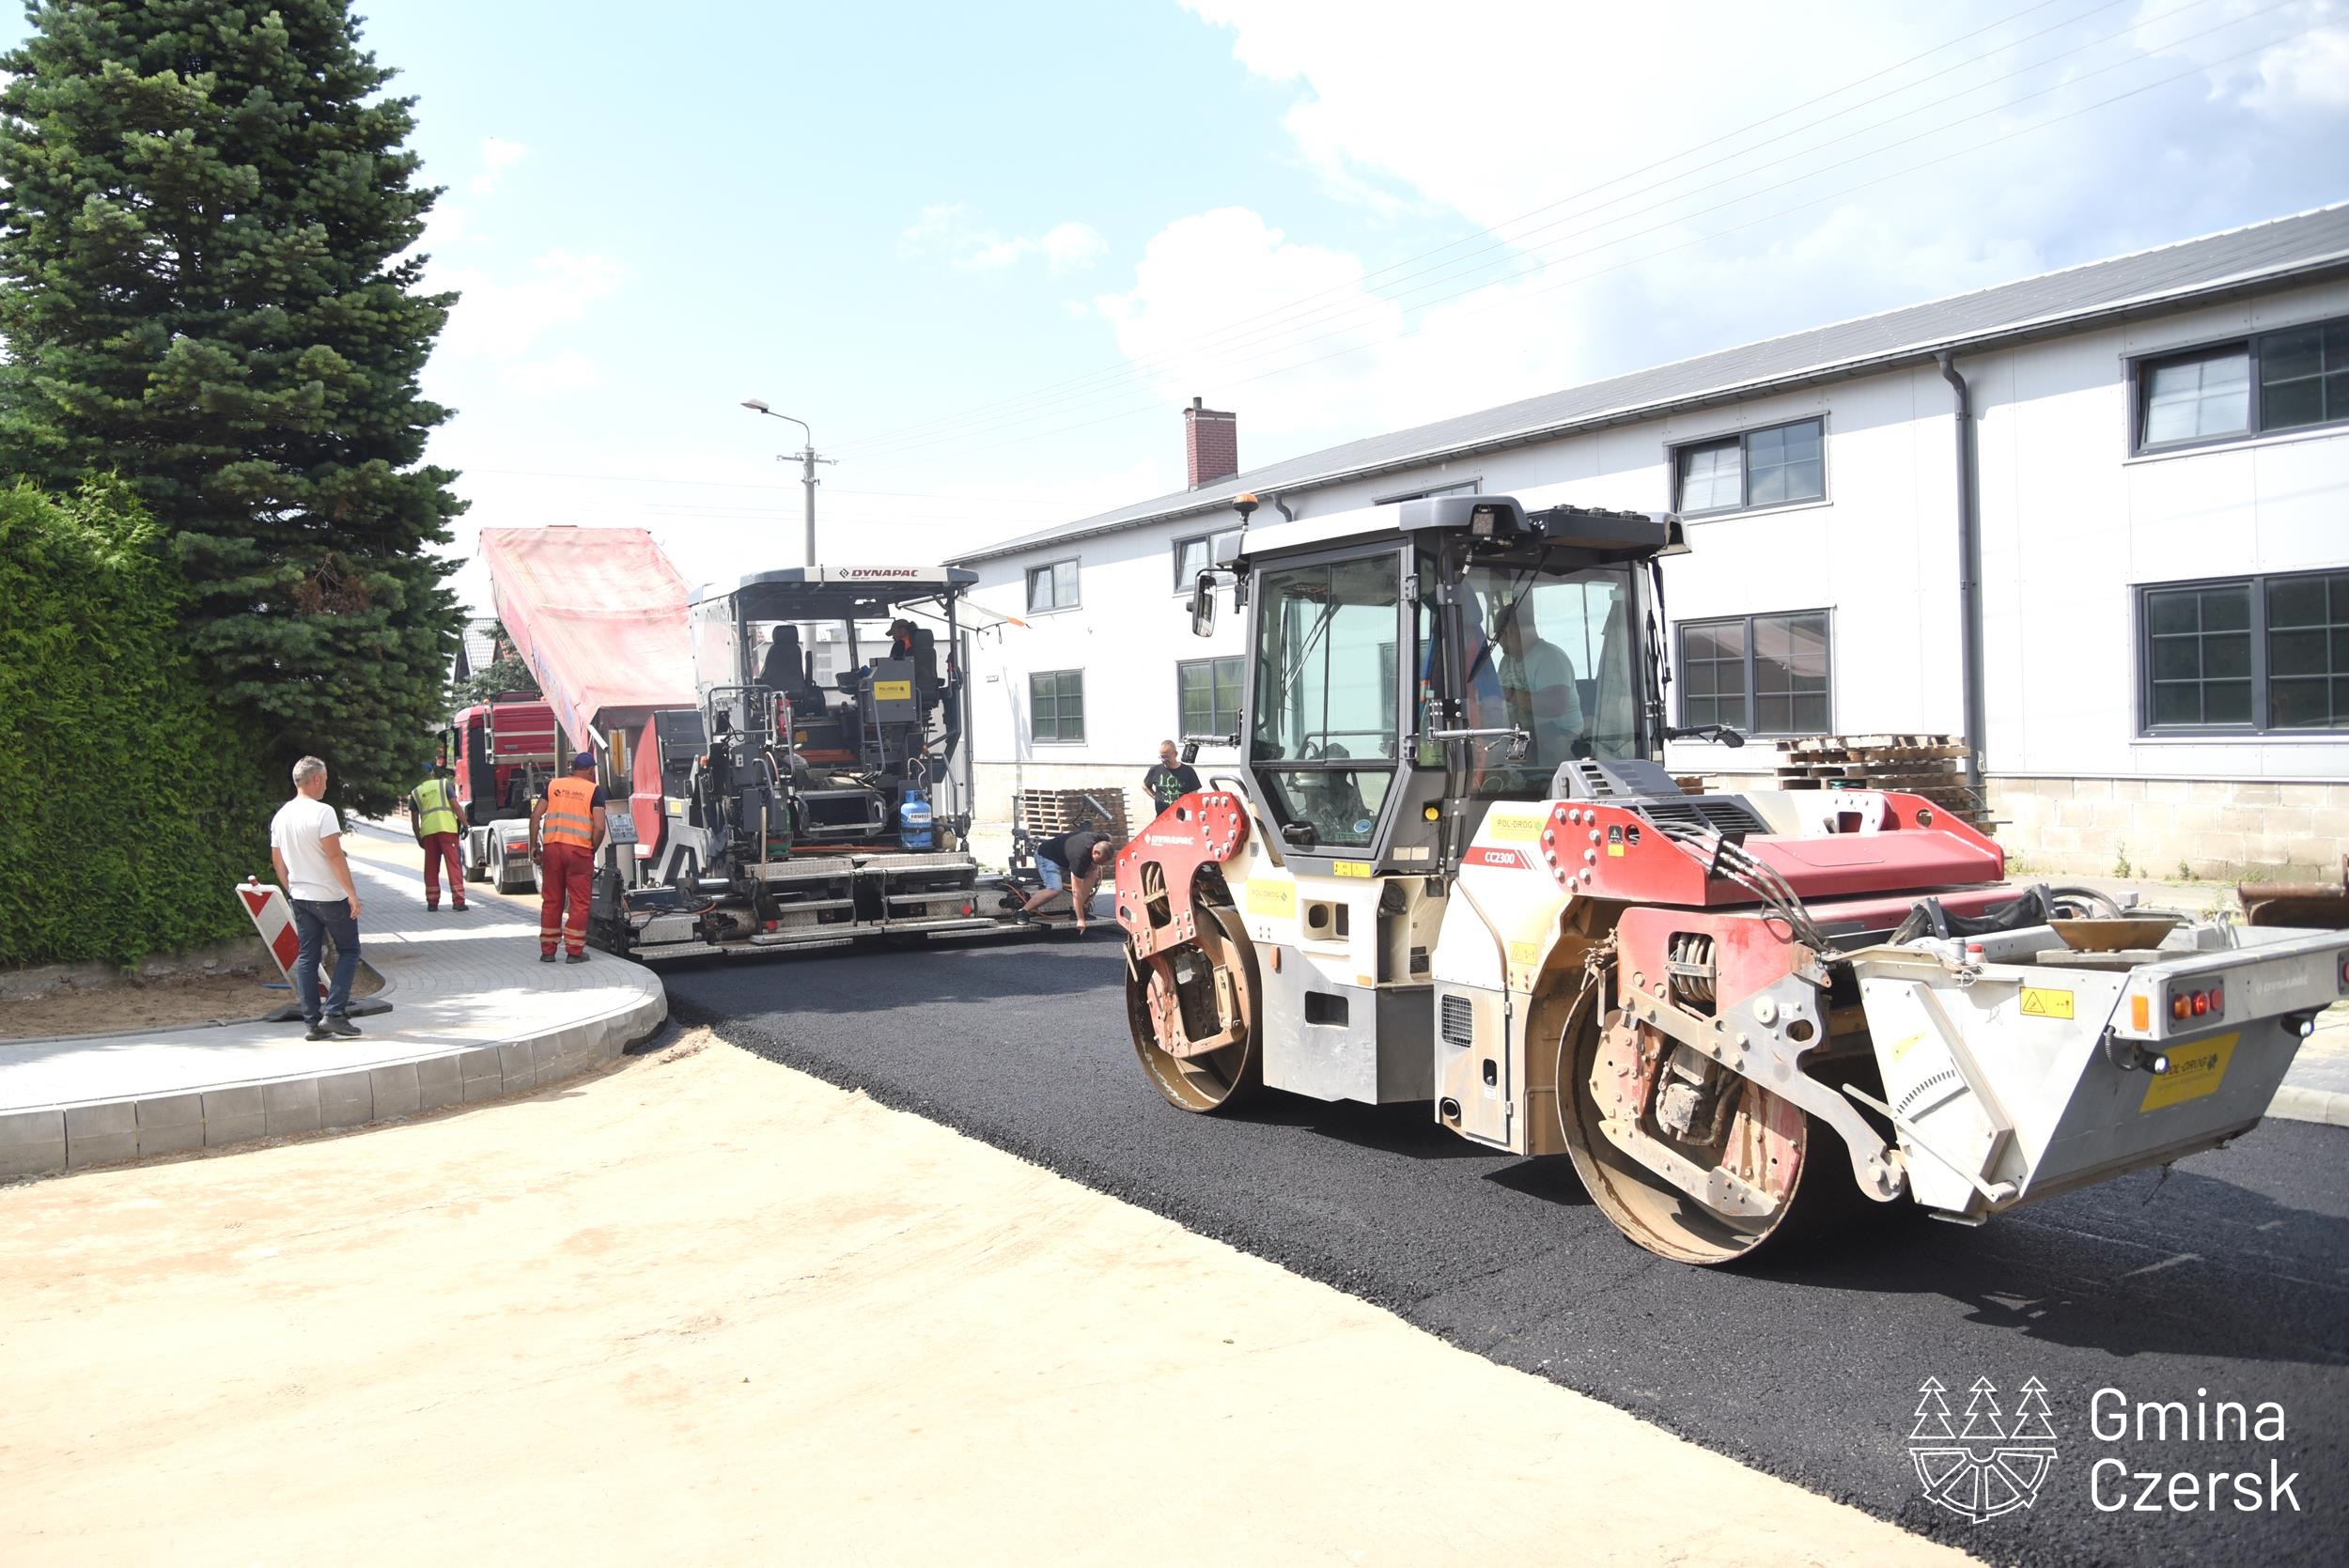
{"x": 40, "y": 1140}
{"x": 51, "y": 1140}
{"x": 2295, "y": 1103}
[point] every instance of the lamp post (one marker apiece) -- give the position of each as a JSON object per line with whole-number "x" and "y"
{"x": 808, "y": 459}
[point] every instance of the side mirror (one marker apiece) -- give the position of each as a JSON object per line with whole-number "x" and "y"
{"x": 1202, "y": 606}
{"x": 1730, "y": 739}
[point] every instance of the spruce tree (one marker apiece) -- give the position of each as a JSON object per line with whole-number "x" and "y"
{"x": 207, "y": 286}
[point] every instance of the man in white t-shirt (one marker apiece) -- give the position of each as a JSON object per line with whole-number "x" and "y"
{"x": 305, "y": 844}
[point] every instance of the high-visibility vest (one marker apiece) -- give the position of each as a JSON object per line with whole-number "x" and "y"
{"x": 436, "y": 812}
{"x": 571, "y": 813}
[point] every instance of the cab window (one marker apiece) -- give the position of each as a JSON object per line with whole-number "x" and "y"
{"x": 1554, "y": 658}
{"x": 1324, "y": 741}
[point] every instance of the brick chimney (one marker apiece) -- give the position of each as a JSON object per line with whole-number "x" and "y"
{"x": 1211, "y": 442}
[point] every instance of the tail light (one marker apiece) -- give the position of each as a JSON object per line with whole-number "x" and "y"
{"x": 2208, "y": 1002}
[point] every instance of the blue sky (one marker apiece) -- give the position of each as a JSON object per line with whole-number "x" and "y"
{"x": 990, "y": 252}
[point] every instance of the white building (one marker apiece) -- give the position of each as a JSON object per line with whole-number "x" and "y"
{"x": 2155, "y": 453}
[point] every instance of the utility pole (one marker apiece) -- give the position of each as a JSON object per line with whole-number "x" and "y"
{"x": 807, "y": 459}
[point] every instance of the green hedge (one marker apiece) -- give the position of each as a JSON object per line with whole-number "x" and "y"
{"x": 129, "y": 804}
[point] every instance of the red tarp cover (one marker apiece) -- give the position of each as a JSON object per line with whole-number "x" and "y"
{"x": 598, "y": 614}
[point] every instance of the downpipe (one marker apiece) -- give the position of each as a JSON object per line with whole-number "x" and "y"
{"x": 1968, "y": 573}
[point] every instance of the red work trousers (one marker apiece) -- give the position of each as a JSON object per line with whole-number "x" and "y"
{"x": 565, "y": 876}
{"x": 440, "y": 850}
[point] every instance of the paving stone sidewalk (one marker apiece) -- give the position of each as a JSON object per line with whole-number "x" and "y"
{"x": 474, "y": 1017}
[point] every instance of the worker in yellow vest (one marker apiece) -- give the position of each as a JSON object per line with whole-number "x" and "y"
{"x": 567, "y": 828}
{"x": 437, "y": 819}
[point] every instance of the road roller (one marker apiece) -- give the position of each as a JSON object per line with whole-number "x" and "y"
{"x": 1448, "y": 866}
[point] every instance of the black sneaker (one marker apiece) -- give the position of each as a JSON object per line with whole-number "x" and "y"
{"x": 546, "y": 957}
{"x": 337, "y": 1024}
{"x": 458, "y": 907}
{"x": 574, "y": 957}
{"x": 318, "y": 1032}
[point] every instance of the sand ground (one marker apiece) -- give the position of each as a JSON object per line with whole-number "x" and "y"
{"x": 704, "y": 1309}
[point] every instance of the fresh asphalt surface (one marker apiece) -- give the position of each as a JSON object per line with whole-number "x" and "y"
{"x": 2232, "y": 1276}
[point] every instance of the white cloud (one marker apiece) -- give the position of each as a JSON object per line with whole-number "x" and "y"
{"x": 1680, "y": 176}
{"x": 515, "y": 325}
{"x": 497, "y": 156}
{"x": 502, "y": 320}
{"x": 446, "y": 224}
{"x": 1070, "y": 246}
{"x": 1227, "y": 307}
{"x": 950, "y": 229}
{"x": 2307, "y": 70}
{"x": 569, "y": 371}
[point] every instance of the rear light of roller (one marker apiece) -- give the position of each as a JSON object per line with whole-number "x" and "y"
{"x": 2207, "y": 1002}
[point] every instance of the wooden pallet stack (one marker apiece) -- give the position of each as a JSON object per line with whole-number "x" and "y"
{"x": 1048, "y": 813}
{"x": 1932, "y": 766}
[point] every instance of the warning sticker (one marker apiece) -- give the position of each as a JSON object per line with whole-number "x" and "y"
{"x": 2040, "y": 1002}
{"x": 1614, "y": 838}
{"x": 1275, "y": 899}
{"x": 2194, "y": 1070}
{"x": 1523, "y": 954}
{"x": 1350, "y": 868}
{"x": 1519, "y": 825}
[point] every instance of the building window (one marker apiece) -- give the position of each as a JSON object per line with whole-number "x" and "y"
{"x": 1196, "y": 554}
{"x": 2259, "y": 654}
{"x": 1056, "y": 707}
{"x": 1207, "y": 696}
{"x": 1052, "y": 586}
{"x": 2279, "y": 381}
{"x": 1776, "y": 467}
{"x": 1762, "y": 675}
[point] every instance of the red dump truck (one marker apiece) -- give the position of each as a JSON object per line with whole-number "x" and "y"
{"x": 599, "y": 616}
{"x": 501, "y": 752}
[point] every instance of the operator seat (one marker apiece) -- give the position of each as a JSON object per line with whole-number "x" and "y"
{"x": 924, "y": 657}
{"x": 785, "y": 671}
{"x": 785, "y": 668}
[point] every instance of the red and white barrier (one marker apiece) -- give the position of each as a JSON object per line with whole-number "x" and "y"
{"x": 272, "y": 916}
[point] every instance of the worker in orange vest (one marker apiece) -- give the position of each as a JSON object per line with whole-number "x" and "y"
{"x": 567, "y": 828}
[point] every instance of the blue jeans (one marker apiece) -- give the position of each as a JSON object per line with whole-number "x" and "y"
{"x": 314, "y": 921}
{"x": 1052, "y": 874}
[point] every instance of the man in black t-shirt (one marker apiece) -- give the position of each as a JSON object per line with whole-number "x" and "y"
{"x": 1074, "y": 860}
{"x": 1172, "y": 779}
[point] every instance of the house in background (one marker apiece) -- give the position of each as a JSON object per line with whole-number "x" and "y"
{"x": 2150, "y": 456}
{"x": 477, "y": 649}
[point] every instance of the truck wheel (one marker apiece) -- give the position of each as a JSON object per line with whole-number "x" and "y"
{"x": 1200, "y": 990}
{"x": 516, "y": 876}
{"x": 1604, "y": 1102}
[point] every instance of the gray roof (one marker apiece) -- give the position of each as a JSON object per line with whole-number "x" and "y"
{"x": 2171, "y": 277}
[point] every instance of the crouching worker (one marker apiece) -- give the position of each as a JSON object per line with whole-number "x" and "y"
{"x": 1073, "y": 861}
{"x": 567, "y": 828}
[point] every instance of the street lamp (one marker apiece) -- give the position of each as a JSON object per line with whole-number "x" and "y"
{"x": 808, "y": 459}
